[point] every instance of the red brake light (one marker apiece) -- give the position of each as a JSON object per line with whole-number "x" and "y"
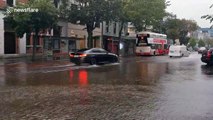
{"x": 208, "y": 54}
{"x": 83, "y": 55}
{"x": 71, "y": 55}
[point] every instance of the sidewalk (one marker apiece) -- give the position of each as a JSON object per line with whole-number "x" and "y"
{"x": 36, "y": 64}
{"x": 42, "y": 62}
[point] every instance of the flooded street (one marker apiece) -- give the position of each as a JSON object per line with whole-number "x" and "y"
{"x": 140, "y": 88}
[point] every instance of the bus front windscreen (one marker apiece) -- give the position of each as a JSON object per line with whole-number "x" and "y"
{"x": 142, "y": 40}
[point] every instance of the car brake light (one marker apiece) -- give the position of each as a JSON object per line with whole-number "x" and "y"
{"x": 71, "y": 55}
{"x": 208, "y": 54}
{"x": 83, "y": 55}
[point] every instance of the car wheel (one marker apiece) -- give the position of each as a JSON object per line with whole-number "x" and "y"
{"x": 78, "y": 63}
{"x": 170, "y": 56}
{"x": 114, "y": 60}
{"x": 93, "y": 61}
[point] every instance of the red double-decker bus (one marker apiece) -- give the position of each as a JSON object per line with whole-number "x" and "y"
{"x": 150, "y": 43}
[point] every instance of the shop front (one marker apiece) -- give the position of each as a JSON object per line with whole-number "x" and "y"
{"x": 59, "y": 47}
{"x": 111, "y": 44}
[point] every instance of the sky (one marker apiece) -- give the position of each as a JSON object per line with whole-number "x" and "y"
{"x": 192, "y": 10}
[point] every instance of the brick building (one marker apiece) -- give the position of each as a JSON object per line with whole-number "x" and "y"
{"x": 72, "y": 36}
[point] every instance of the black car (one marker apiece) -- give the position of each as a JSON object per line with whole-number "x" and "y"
{"x": 201, "y": 50}
{"x": 93, "y": 56}
{"x": 207, "y": 56}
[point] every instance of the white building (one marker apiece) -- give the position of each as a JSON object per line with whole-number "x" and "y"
{"x": 203, "y": 34}
{"x": 9, "y": 44}
{"x": 1, "y": 34}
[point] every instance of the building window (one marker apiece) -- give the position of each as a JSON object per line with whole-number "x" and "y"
{"x": 107, "y": 27}
{"x": 98, "y": 25}
{"x": 56, "y": 44}
{"x": 28, "y": 36}
{"x": 115, "y": 28}
{"x": 57, "y": 31}
{"x": 10, "y": 3}
{"x": 56, "y": 3}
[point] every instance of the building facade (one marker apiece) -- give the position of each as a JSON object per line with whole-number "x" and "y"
{"x": 9, "y": 43}
{"x": 1, "y": 33}
{"x": 111, "y": 38}
{"x": 203, "y": 34}
{"x": 66, "y": 37}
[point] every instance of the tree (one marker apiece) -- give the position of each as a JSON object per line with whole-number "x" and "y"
{"x": 146, "y": 13}
{"x": 186, "y": 27}
{"x": 201, "y": 43}
{"x": 33, "y": 22}
{"x": 179, "y": 29}
{"x": 121, "y": 14}
{"x": 192, "y": 42}
{"x": 209, "y": 42}
{"x": 208, "y": 17}
{"x": 171, "y": 28}
{"x": 90, "y": 13}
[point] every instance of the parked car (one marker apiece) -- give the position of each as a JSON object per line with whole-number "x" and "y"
{"x": 207, "y": 57}
{"x": 92, "y": 56}
{"x": 178, "y": 51}
{"x": 201, "y": 50}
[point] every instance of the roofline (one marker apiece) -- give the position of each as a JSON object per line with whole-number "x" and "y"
{"x": 148, "y": 32}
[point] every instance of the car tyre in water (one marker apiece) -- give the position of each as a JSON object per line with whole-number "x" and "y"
{"x": 78, "y": 63}
{"x": 93, "y": 61}
{"x": 114, "y": 60}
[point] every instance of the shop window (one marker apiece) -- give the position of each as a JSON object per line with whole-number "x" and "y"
{"x": 56, "y": 44}
{"x": 57, "y": 31}
{"x": 115, "y": 28}
{"x": 107, "y": 27}
{"x": 28, "y": 36}
{"x": 56, "y": 3}
{"x": 10, "y": 3}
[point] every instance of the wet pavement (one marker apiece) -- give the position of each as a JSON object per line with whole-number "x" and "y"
{"x": 139, "y": 88}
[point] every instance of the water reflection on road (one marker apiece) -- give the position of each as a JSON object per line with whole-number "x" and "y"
{"x": 136, "y": 88}
{"x": 131, "y": 73}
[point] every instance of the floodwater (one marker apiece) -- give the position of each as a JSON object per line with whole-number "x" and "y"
{"x": 152, "y": 88}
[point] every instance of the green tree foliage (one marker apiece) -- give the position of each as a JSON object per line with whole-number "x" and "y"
{"x": 201, "y": 43}
{"x": 192, "y": 42}
{"x": 33, "y": 22}
{"x": 141, "y": 13}
{"x": 186, "y": 26}
{"x": 171, "y": 28}
{"x": 146, "y": 13}
{"x": 121, "y": 13}
{"x": 90, "y": 13}
{"x": 208, "y": 17}
{"x": 209, "y": 42}
{"x": 179, "y": 29}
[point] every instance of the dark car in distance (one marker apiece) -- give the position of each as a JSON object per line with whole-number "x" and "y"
{"x": 201, "y": 50}
{"x": 93, "y": 56}
{"x": 207, "y": 57}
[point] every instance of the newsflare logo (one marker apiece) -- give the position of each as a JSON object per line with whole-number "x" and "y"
{"x": 9, "y": 11}
{"x": 21, "y": 10}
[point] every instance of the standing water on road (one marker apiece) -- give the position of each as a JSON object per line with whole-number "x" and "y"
{"x": 137, "y": 88}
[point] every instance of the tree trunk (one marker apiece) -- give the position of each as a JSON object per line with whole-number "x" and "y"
{"x": 90, "y": 39}
{"x": 119, "y": 37}
{"x": 35, "y": 39}
{"x": 90, "y": 35}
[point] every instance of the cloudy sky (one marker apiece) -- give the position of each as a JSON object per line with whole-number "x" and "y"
{"x": 192, "y": 9}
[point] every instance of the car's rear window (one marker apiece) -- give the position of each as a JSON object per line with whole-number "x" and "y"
{"x": 82, "y": 50}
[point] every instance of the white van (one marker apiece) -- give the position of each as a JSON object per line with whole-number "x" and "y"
{"x": 178, "y": 51}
